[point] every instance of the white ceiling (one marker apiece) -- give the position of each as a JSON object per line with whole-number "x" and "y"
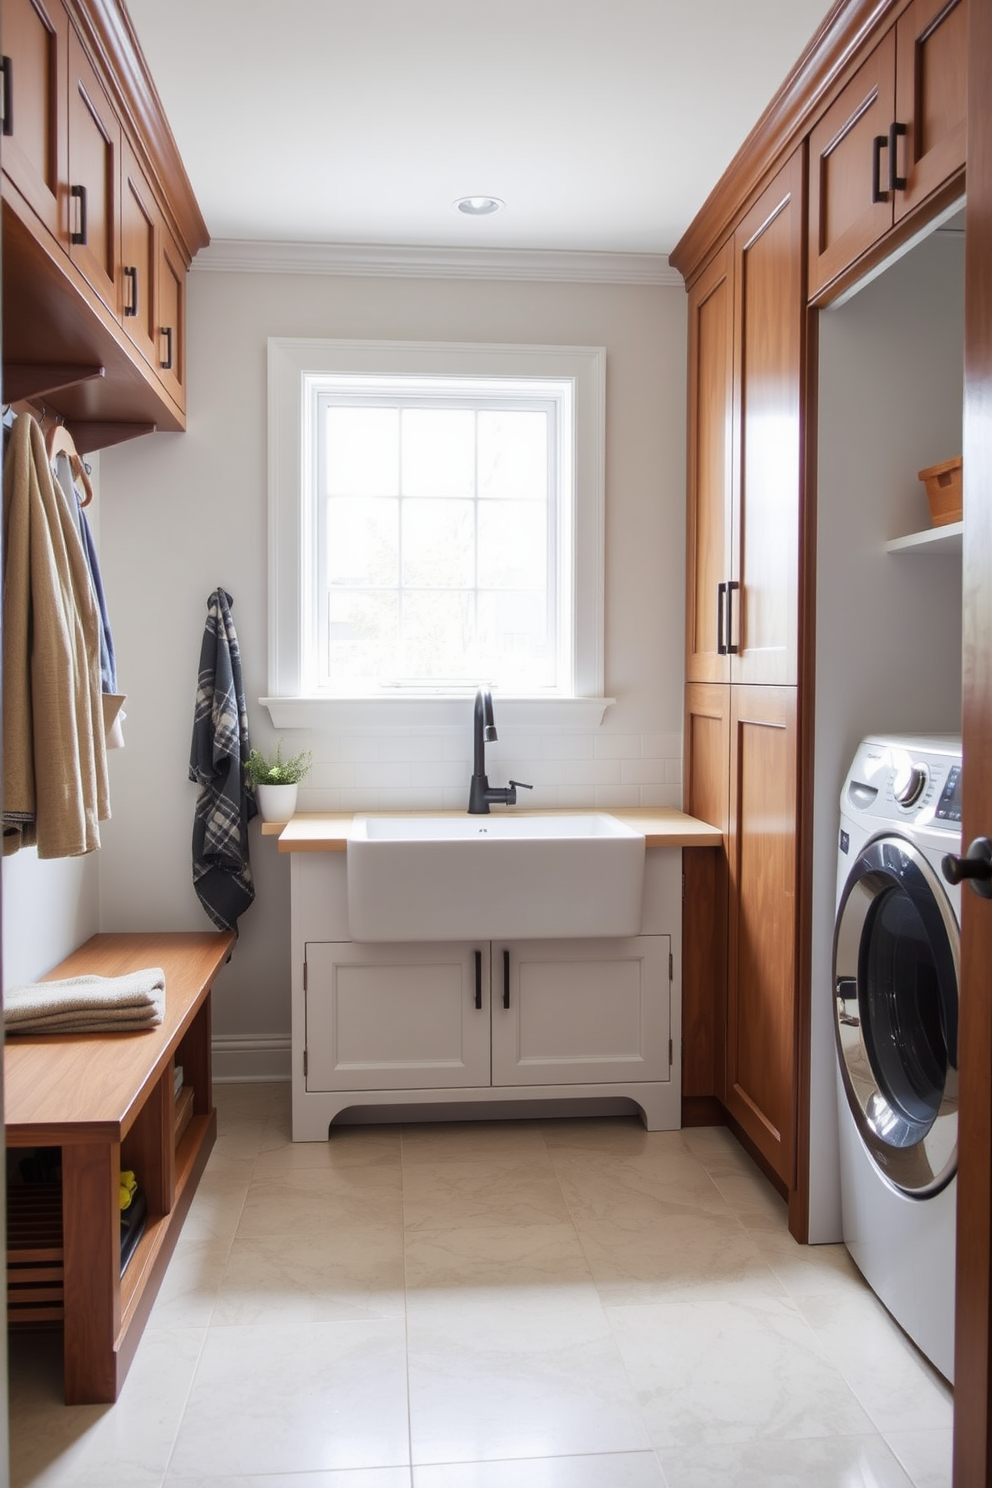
{"x": 602, "y": 124}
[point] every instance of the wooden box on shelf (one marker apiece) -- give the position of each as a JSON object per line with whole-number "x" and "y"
{"x": 944, "y": 485}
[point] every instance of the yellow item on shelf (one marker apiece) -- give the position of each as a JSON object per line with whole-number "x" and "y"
{"x": 129, "y": 1187}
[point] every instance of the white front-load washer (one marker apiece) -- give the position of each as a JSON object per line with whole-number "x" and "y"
{"x": 895, "y": 979}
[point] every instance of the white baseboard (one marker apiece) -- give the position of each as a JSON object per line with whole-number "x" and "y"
{"x": 240, "y": 1059}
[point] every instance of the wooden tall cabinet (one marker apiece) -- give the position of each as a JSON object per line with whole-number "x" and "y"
{"x": 881, "y": 90}
{"x": 746, "y": 318}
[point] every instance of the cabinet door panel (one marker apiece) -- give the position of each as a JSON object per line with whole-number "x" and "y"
{"x": 710, "y": 464}
{"x": 395, "y": 1017}
{"x": 138, "y": 257}
{"x": 582, "y": 1012}
{"x": 770, "y": 313}
{"x": 94, "y": 164}
{"x": 170, "y": 357}
{"x": 36, "y": 39}
{"x": 931, "y": 96}
{"x": 761, "y": 1023}
{"x": 843, "y": 219}
{"x": 704, "y": 909}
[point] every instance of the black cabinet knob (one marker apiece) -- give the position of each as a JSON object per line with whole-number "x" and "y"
{"x": 975, "y": 866}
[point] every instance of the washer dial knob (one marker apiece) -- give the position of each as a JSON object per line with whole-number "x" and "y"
{"x": 908, "y": 783}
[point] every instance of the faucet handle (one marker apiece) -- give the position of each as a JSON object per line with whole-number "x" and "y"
{"x": 522, "y": 784}
{"x": 511, "y": 792}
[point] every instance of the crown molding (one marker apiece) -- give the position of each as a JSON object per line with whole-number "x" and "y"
{"x": 366, "y": 259}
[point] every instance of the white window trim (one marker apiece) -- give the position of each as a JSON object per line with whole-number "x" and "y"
{"x": 290, "y": 361}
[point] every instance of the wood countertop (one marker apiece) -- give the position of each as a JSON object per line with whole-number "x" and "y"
{"x": 328, "y": 831}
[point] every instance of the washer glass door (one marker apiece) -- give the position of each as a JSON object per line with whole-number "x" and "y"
{"x": 896, "y": 999}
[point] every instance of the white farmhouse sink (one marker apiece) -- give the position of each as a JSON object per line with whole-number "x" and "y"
{"x": 494, "y": 877}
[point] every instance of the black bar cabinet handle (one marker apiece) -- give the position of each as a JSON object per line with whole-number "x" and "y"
{"x": 732, "y": 648}
{"x": 131, "y": 308}
{"x": 721, "y": 604}
{"x": 79, "y": 192}
{"x": 878, "y": 144}
{"x": 506, "y": 979}
{"x": 478, "y": 979}
{"x": 896, "y": 183}
{"x": 7, "y": 73}
{"x": 167, "y": 364}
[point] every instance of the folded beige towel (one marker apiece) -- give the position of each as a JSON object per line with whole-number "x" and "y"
{"x": 87, "y": 1004}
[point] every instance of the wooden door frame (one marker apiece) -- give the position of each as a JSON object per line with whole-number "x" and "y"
{"x": 973, "y": 1375}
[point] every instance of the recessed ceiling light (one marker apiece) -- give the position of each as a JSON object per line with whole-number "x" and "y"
{"x": 479, "y": 206}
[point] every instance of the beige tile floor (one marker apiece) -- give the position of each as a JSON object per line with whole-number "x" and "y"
{"x": 555, "y": 1304}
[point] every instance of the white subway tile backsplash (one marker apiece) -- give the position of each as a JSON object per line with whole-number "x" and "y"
{"x": 662, "y": 795}
{"x": 568, "y": 746}
{"x": 617, "y": 746}
{"x": 642, "y": 771}
{"x": 591, "y": 772}
{"x": 425, "y": 770}
{"x": 617, "y": 795}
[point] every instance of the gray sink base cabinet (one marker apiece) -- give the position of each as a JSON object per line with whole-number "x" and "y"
{"x": 483, "y": 1028}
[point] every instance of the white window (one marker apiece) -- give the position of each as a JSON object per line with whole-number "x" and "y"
{"x": 436, "y": 521}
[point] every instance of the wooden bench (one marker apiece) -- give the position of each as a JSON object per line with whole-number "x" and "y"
{"x": 108, "y": 1101}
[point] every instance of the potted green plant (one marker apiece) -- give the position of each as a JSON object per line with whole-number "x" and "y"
{"x": 275, "y": 781}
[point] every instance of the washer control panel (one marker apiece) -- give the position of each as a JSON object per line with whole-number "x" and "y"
{"x": 906, "y": 780}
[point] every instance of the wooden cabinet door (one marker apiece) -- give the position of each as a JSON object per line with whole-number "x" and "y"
{"x": 35, "y": 151}
{"x": 761, "y": 991}
{"x": 94, "y": 178}
{"x": 710, "y": 468}
{"x": 770, "y": 311}
{"x": 139, "y": 257}
{"x": 931, "y": 96}
{"x": 704, "y": 906}
{"x": 403, "y": 1017}
{"x": 845, "y": 219}
{"x": 170, "y": 330}
{"x": 582, "y": 1012}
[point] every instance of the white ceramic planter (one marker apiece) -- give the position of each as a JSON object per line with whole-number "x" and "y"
{"x": 276, "y": 802}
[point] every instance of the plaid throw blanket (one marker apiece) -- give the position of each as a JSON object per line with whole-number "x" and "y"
{"x": 224, "y": 806}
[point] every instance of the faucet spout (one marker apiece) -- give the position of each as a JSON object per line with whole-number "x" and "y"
{"x": 484, "y": 732}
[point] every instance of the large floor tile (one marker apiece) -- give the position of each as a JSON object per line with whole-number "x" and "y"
{"x": 347, "y": 1147}
{"x": 926, "y": 1455}
{"x": 676, "y": 1257}
{"x": 469, "y": 1194}
{"x": 808, "y": 1270}
{"x": 467, "y": 1141}
{"x": 189, "y": 1287}
{"x": 532, "y": 1373}
{"x": 617, "y": 1136}
{"x": 897, "y": 1386}
{"x": 613, "y": 1470}
{"x": 341, "y": 1272}
{"x": 305, "y": 1202}
{"x": 126, "y": 1445}
{"x": 721, "y": 1372}
{"x": 296, "y": 1399}
{"x": 838, "y": 1462}
{"x": 635, "y": 1191}
{"x": 495, "y": 1256}
{"x": 358, "y": 1477}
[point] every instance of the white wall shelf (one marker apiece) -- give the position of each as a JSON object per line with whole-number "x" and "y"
{"x": 944, "y": 541}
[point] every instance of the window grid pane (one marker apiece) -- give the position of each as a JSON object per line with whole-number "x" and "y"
{"x": 436, "y": 559}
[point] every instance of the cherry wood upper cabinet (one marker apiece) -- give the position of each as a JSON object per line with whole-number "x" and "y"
{"x": 94, "y": 178}
{"x": 709, "y": 516}
{"x": 139, "y": 256}
{"x": 170, "y": 325}
{"x": 892, "y": 137}
{"x": 769, "y": 314}
{"x": 35, "y": 142}
{"x": 761, "y": 1077}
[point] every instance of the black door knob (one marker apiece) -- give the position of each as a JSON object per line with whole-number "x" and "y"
{"x": 975, "y": 866}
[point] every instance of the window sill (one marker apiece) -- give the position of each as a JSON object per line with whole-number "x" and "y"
{"x": 432, "y": 712}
